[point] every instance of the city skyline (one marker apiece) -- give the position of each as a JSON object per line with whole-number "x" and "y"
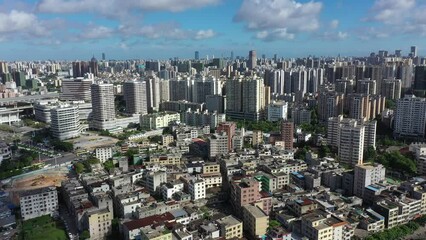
{"x": 60, "y": 29}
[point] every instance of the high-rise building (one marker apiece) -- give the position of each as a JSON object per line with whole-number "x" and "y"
{"x": 134, "y": 93}
{"x": 391, "y": 88}
{"x": 336, "y": 123}
{"x": 103, "y": 57}
{"x": 252, "y": 62}
{"x": 197, "y": 55}
{"x": 410, "y": 117}
{"x": 19, "y": 78}
{"x": 246, "y": 98}
{"x": 366, "y": 86}
{"x": 330, "y": 104}
{"x": 215, "y": 103}
{"x": 420, "y": 78}
{"x": 203, "y": 87}
{"x": 351, "y": 143}
{"x": 79, "y": 69}
{"x": 345, "y": 86}
{"x": 365, "y": 175}
{"x": 180, "y": 89}
{"x": 153, "y": 93}
{"x": 359, "y": 106}
{"x": 413, "y": 51}
{"x": 103, "y": 113}
{"x": 256, "y": 222}
{"x": 76, "y": 90}
{"x": 287, "y": 134}
{"x": 3, "y": 68}
{"x": 93, "y": 66}
{"x": 301, "y": 115}
{"x": 65, "y": 122}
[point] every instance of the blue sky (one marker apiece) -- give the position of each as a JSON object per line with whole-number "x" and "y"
{"x": 160, "y": 29}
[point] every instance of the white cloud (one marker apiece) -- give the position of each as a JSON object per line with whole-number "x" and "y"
{"x": 165, "y": 30}
{"x": 96, "y": 32}
{"x": 276, "y": 34}
{"x": 334, "y": 24}
{"x": 334, "y": 36}
{"x": 119, "y": 7}
{"x": 279, "y": 17}
{"x": 396, "y": 17}
{"x": 22, "y": 23}
{"x": 204, "y": 34}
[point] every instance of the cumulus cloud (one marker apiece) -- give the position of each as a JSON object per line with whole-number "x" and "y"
{"x": 334, "y": 24}
{"x": 283, "y": 18}
{"x": 275, "y": 34}
{"x": 334, "y": 36}
{"x": 22, "y": 23}
{"x": 396, "y": 17}
{"x": 119, "y": 7}
{"x": 96, "y": 32}
{"x": 169, "y": 30}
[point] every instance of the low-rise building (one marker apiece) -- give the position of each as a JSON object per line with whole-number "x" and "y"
{"x": 38, "y": 202}
{"x": 230, "y": 227}
{"x": 103, "y": 153}
{"x": 256, "y": 222}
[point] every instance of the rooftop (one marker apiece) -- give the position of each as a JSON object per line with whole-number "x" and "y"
{"x": 228, "y": 221}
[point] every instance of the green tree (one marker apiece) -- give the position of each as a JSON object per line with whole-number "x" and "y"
{"x": 370, "y": 154}
{"x": 108, "y": 165}
{"x": 324, "y": 151}
{"x": 84, "y": 235}
{"x": 274, "y": 224}
{"x": 79, "y": 167}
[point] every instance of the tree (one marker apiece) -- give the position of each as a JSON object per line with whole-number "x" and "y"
{"x": 324, "y": 151}
{"x": 84, "y": 235}
{"x": 108, "y": 165}
{"x": 397, "y": 162}
{"x": 274, "y": 224}
{"x": 79, "y": 167}
{"x": 370, "y": 154}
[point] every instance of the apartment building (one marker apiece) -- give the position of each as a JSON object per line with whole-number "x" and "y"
{"x": 38, "y": 202}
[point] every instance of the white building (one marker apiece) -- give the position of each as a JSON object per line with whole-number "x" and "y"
{"x": 103, "y": 153}
{"x": 351, "y": 143}
{"x": 9, "y": 115}
{"x": 277, "y": 111}
{"x": 76, "y": 89}
{"x": 218, "y": 144}
{"x": 367, "y": 174}
{"x": 65, "y": 122}
{"x": 168, "y": 189}
{"x": 38, "y": 202}
{"x": 158, "y": 120}
{"x": 103, "y": 107}
{"x": 135, "y": 97}
{"x": 197, "y": 189}
{"x": 410, "y": 117}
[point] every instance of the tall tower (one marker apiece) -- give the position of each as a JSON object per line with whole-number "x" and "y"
{"x": 197, "y": 55}
{"x": 413, "y": 51}
{"x": 103, "y": 108}
{"x": 252, "y": 59}
{"x": 135, "y": 97}
{"x": 94, "y": 66}
{"x": 153, "y": 92}
{"x": 287, "y": 133}
{"x": 351, "y": 143}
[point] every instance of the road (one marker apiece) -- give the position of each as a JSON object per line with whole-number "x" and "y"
{"x": 64, "y": 158}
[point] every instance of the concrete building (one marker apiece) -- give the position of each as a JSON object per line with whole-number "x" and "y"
{"x": 229, "y": 128}
{"x": 9, "y": 115}
{"x": 38, "y": 202}
{"x": 103, "y": 107}
{"x": 277, "y": 111}
{"x": 152, "y": 180}
{"x": 410, "y": 117}
{"x": 99, "y": 223}
{"x": 218, "y": 145}
{"x": 287, "y": 134}
{"x": 197, "y": 189}
{"x": 351, "y": 143}
{"x": 230, "y": 227}
{"x": 359, "y": 106}
{"x": 252, "y": 61}
{"x": 391, "y": 88}
{"x": 366, "y": 86}
{"x": 134, "y": 93}
{"x": 76, "y": 89}
{"x": 301, "y": 115}
{"x": 104, "y": 153}
{"x": 65, "y": 122}
{"x": 256, "y": 222}
{"x": 153, "y": 93}
{"x": 216, "y": 103}
{"x": 158, "y": 120}
{"x": 246, "y": 98}
{"x": 365, "y": 175}
{"x": 330, "y": 104}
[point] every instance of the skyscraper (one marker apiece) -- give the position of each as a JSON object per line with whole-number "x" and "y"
{"x": 76, "y": 90}
{"x": 391, "y": 88}
{"x": 19, "y": 78}
{"x": 93, "y": 65}
{"x": 287, "y": 133}
{"x": 197, "y": 55}
{"x": 420, "y": 78}
{"x": 410, "y": 117}
{"x": 135, "y": 96}
{"x": 252, "y": 62}
{"x": 153, "y": 93}
{"x": 413, "y": 51}
{"x": 351, "y": 143}
{"x": 246, "y": 98}
{"x": 103, "y": 113}
{"x": 103, "y": 56}
{"x": 3, "y": 68}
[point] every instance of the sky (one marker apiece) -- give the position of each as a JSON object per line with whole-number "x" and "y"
{"x": 162, "y": 29}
